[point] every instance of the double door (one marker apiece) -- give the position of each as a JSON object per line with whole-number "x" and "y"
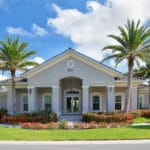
{"x": 72, "y": 104}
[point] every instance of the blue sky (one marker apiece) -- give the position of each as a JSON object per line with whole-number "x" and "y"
{"x": 52, "y": 26}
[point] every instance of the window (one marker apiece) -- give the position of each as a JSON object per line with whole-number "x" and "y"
{"x": 25, "y": 102}
{"x": 96, "y": 101}
{"x": 47, "y": 102}
{"x": 141, "y": 101}
{"x": 118, "y": 102}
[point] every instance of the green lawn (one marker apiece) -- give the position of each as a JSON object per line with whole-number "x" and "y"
{"x": 91, "y": 134}
{"x": 142, "y": 120}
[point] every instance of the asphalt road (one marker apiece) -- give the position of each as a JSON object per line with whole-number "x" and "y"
{"x": 85, "y": 145}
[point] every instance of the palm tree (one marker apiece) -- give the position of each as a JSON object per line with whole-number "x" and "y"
{"x": 14, "y": 56}
{"x": 133, "y": 45}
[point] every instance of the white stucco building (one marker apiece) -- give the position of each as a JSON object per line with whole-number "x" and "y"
{"x": 68, "y": 84}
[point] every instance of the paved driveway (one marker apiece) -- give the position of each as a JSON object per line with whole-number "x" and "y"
{"x": 74, "y": 145}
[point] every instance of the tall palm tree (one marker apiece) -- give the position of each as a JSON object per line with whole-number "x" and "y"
{"x": 14, "y": 56}
{"x": 133, "y": 45}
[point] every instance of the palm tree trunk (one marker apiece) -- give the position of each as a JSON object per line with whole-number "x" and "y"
{"x": 127, "y": 106}
{"x": 13, "y": 92}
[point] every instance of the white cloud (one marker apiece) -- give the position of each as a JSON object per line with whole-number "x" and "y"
{"x": 2, "y": 77}
{"x": 38, "y": 60}
{"x": 38, "y": 30}
{"x": 89, "y": 30}
{"x": 17, "y": 31}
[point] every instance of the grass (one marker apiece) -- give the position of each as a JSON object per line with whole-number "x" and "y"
{"x": 91, "y": 134}
{"x": 142, "y": 120}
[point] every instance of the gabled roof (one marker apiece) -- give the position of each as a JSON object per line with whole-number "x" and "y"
{"x": 71, "y": 53}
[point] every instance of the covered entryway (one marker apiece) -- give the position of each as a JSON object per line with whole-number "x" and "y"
{"x": 71, "y": 95}
{"x": 72, "y": 102}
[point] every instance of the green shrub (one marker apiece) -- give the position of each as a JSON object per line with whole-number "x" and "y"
{"x": 63, "y": 124}
{"x": 108, "y": 118}
{"x": 42, "y": 117}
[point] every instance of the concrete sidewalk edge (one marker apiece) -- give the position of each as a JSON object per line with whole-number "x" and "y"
{"x": 74, "y": 142}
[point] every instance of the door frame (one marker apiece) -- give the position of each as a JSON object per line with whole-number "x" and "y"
{"x": 71, "y": 95}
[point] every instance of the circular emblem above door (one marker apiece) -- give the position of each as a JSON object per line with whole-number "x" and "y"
{"x": 70, "y": 63}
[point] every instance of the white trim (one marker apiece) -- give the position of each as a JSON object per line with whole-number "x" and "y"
{"x": 91, "y": 101}
{"x": 122, "y": 100}
{"x": 22, "y": 109}
{"x": 43, "y": 100}
{"x": 91, "y": 62}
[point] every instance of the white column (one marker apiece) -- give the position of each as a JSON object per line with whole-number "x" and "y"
{"x": 134, "y": 98}
{"x": 110, "y": 98}
{"x": 55, "y": 99}
{"x": 9, "y": 101}
{"x": 32, "y": 99}
{"x": 85, "y": 99}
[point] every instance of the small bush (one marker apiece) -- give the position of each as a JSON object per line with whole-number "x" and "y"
{"x": 136, "y": 114}
{"x": 145, "y": 113}
{"x": 3, "y": 111}
{"x": 63, "y": 124}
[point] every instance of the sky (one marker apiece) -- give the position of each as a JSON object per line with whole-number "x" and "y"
{"x": 52, "y": 26}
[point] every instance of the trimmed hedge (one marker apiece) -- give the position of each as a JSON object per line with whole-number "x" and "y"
{"x": 41, "y": 116}
{"x": 145, "y": 113}
{"x": 108, "y": 118}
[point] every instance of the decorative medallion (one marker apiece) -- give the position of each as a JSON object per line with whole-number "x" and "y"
{"x": 70, "y": 65}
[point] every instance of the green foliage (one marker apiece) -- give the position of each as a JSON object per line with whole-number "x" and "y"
{"x": 110, "y": 117}
{"x": 14, "y": 55}
{"x": 62, "y": 124}
{"x": 40, "y": 116}
{"x": 3, "y": 111}
{"x": 142, "y": 120}
{"x": 133, "y": 45}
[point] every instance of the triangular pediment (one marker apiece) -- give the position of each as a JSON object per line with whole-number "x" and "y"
{"x": 76, "y": 55}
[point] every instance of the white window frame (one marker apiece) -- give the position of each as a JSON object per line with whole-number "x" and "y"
{"x": 43, "y": 100}
{"x": 122, "y": 101}
{"x": 22, "y": 102}
{"x": 100, "y": 101}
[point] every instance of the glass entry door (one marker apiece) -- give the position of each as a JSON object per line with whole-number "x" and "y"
{"x": 72, "y": 104}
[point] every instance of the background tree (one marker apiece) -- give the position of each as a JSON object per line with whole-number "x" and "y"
{"x": 143, "y": 72}
{"x": 133, "y": 45}
{"x": 14, "y": 56}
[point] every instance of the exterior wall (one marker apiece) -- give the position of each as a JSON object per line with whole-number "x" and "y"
{"x": 40, "y": 92}
{"x": 89, "y": 75}
{"x": 121, "y": 91}
{"x": 145, "y": 93}
{"x": 19, "y": 93}
{"x": 103, "y": 93}
{"x": 3, "y": 100}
